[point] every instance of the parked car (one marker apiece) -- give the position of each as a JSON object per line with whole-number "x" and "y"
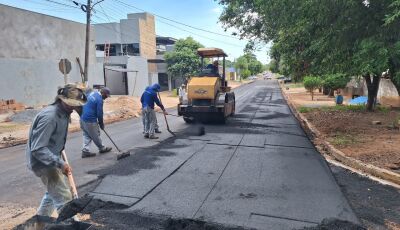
{"x": 287, "y": 80}
{"x": 252, "y": 78}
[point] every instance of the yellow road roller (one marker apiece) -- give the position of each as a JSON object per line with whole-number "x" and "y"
{"x": 207, "y": 97}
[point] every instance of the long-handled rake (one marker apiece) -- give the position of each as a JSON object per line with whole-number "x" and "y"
{"x": 165, "y": 117}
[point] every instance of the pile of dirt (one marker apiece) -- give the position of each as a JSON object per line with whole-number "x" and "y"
{"x": 25, "y": 116}
{"x": 354, "y": 133}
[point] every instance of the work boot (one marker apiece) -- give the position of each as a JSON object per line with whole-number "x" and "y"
{"x": 86, "y": 154}
{"x": 146, "y": 135}
{"x": 157, "y": 131}
{"x": 105, "y": 150}
{"x": 153, "y": 137}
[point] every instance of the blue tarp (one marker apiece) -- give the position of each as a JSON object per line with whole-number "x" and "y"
{"x": 358, "y": 100}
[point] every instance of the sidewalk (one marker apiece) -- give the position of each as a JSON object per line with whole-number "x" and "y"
{"x": 351, "y": 133}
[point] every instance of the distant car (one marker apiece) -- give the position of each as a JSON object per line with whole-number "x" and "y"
{"x": 281, "y": 78}
{"x": 267, "y": 77}
{"x": 252, "y": 78}
{"x": 287, "y": 80}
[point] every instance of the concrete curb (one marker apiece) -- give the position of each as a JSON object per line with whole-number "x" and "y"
{"x": 324, "y": 146}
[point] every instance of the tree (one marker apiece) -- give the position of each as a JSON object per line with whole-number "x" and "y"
{"x": 334, "y": 82}
{"x": 183, "y": 61}
{"x": 312, "y": 83}
{"x": 245, "y": 74}
{"x": 320, "y": 37}
{"x": 241, "y": 65}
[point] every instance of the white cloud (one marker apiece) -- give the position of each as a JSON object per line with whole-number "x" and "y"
{"x": 217, "y": 10}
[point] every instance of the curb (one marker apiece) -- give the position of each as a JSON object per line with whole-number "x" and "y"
{"x": 324, "y": 146}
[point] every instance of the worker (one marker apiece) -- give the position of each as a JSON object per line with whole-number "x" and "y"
{"x": 156, "y": 126}
{"x": 149, "y": 97}
{"x": 214, "y": 68}
{"x": 91, "y": 120}
{"x": 47, "y": 137}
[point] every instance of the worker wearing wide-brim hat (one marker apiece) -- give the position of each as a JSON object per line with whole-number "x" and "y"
{"x": 47, "y": 137}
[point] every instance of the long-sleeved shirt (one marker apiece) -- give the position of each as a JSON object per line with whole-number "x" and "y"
{"x": 149, "y": 97}
{"x": 93, "y": 109}
{"x": 47, "y": 138}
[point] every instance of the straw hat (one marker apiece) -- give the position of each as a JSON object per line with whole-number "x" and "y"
{"x": 71, "y": 95}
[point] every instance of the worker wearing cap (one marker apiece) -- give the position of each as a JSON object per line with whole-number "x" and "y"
{"x": 47, "y": 137}
{"x": 148, "y": 99}
{"x": 91, "y": 120}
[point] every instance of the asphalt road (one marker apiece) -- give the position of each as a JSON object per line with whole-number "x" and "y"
{"x": 258, "y": 170}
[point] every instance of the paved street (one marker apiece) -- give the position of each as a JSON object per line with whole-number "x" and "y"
{"x": 257, "y": 171}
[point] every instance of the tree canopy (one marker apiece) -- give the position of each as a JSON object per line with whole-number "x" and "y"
{"x": 318, "y": 37}
{"x": 183, "y": 61}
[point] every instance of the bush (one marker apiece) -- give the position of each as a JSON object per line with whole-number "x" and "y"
{"x": 311, "y": 83}
{"x": 245, "y": 73}
{"x": 335, "y": 82}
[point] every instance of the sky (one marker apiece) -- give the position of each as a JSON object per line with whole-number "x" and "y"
{"x": 202, "y": 14}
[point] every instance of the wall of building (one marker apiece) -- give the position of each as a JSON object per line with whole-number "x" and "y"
{"x": 33, "y": 44}
{"x": 107, "y": 33}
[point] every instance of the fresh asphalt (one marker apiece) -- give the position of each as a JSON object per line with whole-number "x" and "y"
{"x": 257, "y": 171}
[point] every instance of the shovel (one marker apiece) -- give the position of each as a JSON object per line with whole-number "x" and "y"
{"x": 76, "y": 205}
{"x": 165, "y": 117}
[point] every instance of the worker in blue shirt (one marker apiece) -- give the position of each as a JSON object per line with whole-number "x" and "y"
{"x": 91, "y": 120}
{"x": 148, "y": 99}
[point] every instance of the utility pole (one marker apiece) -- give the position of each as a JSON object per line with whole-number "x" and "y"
{"x": 88, "y": 9}
{"x": 88, "y": 12}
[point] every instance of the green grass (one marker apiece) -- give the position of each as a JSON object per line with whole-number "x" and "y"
{"x": 343, "y": 140}
{"x": 352, "y": 108}
{"x": 295, "y": 85}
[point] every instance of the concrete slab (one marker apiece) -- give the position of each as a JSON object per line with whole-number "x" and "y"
{"x": 141, "y": 181}
{"x": 183, "y": 193}
{"x": 286, "y": 186}
{"x": 285, "y": 139}
{"x": 255, "y": 140}
{"x": 115, "y": 199}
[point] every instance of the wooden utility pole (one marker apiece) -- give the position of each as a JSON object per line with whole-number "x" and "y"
{"x": 87, "y": 43}
{"x": 88, "y": 9}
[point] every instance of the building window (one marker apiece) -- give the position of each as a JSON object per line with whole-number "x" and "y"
{"x": 131, "y": 49}
{"x": 113, "y": 49}
{"x": 161, "y": 49}
{"x": 100, "y": 47}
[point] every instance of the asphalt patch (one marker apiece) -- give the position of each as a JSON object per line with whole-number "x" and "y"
{"x": 373, "y": 203}
{"x": 335, "y": 224}
{"x": 137, "y": 220}
{"x": 49, "y": 223}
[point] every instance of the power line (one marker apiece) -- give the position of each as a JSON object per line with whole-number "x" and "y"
{"x": 62, "y": 4}
{"x": 181, "y": 23}
{"x": 201, "y": 35}
{"x": 190, "y": 32}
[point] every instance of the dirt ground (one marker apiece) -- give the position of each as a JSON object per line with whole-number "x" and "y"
{"x": 353, "y": 131}
{"x": 14, "y": 127}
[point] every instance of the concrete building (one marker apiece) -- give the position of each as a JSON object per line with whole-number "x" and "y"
{"x": 164, "y": 45}
{"x": 32, "y": 45}
{"x": 130, "y": 66}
